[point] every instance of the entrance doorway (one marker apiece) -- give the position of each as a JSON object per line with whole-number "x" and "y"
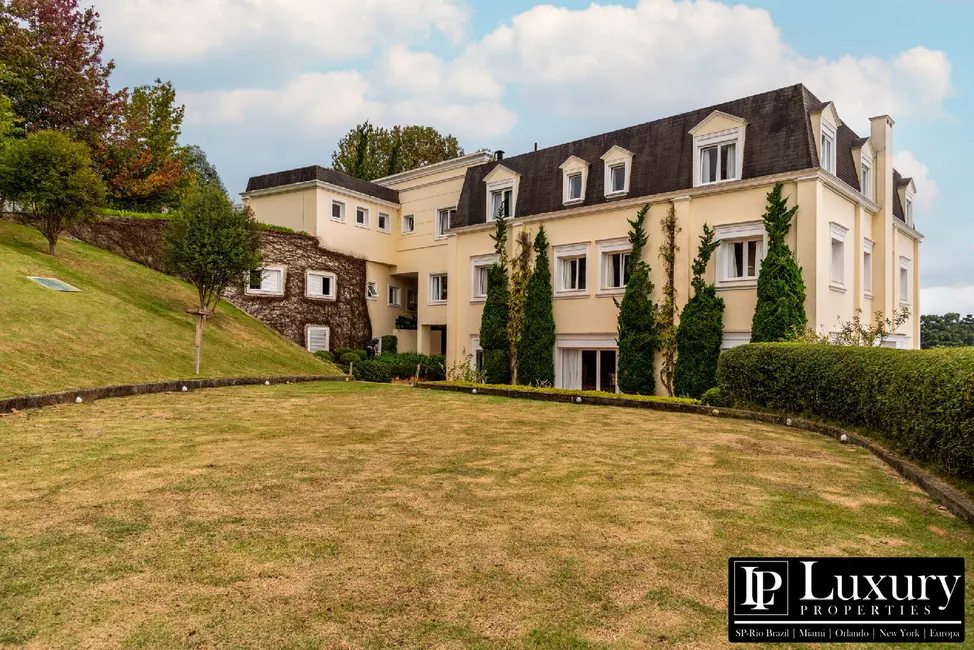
{"x": 588, "y": 369}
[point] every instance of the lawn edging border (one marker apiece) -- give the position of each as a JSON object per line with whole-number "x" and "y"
{"x": 10, "y": 404}
{"x": 943, "y": 493}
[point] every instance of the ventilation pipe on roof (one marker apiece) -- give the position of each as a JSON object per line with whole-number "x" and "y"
{"x": 499, "y": 154}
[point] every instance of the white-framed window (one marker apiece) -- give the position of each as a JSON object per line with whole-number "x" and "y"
{"x": 444, "y": 219}
{"x": 338, "y": 211}
{"x": 268, "y": 281}
{"x": 362, "y": 217}
{"x": 828, "y": 147}
{"x": 574, "y": 177}
{"x": 571, "y": 269}
{"x": 372, "y": 290}
{"x": 479, "y": 275}
{"x": 618, "y": 169}
{"x": 837, "y": 273}
{"x": 437, "y": 288}
{"x": 477, "y": 353}
{"x": 739, "y": 256}
{"x": 908, "y": 208}
{"x": 384, "y": 223}
{"x": 317, "y": 337}
{"x": 904, "y": 281}
{"x": 320, "y": 284}
{"x": 395, "y": 296}
{"x": 867, "y": 177}
{"x": 614, "y": 265}
{"x": 867, "y": 267}
{"x": 718, "y": 157}
{"x": 499, "y": 199}
{"x": 408, "y": 223}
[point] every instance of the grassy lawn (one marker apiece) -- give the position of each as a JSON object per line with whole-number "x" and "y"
{"x": 357, "y": 515}
{"x": 128, "y": 324}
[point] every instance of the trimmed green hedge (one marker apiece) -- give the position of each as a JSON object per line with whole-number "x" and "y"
{"x": 403, "y": 365}
{"x": 922, "y": 401}
{"x": 371, "y": 371}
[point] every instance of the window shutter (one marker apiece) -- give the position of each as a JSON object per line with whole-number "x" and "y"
{"x": 317, "y": 339}
{"x": 314, "y": 285}
{"x": 271, "y": 281}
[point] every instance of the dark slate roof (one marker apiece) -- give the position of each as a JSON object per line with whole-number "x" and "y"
{"x": 305, "y": 174}
{"x": 779, "y": 139}
{"x": 898, "y": 210}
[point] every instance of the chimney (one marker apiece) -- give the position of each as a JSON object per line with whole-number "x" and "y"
{"x": 499, "y": 154}
{"x": 535, "y": 146}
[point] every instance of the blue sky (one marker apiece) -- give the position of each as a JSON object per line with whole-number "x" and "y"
{"x": 273, "y": 85}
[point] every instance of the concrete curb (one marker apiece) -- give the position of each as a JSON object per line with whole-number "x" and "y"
{"x": 127, "y": 390}
{"x": 943, "y": 493}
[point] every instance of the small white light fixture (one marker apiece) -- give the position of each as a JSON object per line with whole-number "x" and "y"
{"x": 78, "y": 400}
{"x": 474, "y": 391}
{"x": 267, "y": 383}
{"x": 843, "y": 438}
{"x": 716, "y": 412}
{"x": 788, "y": 422}
{"x": 578, "y": 400}
{"x": 346, "y": 378}
{"x": 185, "y": 389}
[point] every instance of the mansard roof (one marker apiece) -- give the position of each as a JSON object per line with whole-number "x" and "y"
{"x": 325, "y": 175}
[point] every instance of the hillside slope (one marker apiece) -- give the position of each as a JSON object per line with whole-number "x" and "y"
{"x": 127, "y": 325}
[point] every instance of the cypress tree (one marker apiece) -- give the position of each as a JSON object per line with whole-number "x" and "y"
{"x": 638, "y": 337}
{"x": 780, "y": 310}
{"x": 536, "y": 356}
{"x": 494, "y": 338}
{"x": 699, "y": 336}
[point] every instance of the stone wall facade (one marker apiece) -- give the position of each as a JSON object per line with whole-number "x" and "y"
{"x": 347, "y": 317}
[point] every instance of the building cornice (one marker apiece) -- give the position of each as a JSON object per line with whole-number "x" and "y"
{"x": 306, "y": 185}
{"x": 912, "y": 233}
{"x": 469, "y": 160}
{"x": 639, "y": 201}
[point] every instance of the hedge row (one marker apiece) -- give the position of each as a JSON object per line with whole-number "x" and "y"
{"x": 921, "y": 401}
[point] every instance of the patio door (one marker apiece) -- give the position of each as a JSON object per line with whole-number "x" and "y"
{"x": 589, "y": 369}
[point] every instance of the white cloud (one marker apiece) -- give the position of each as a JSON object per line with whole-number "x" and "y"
{"x": 168, "y": 30}
{"x": 663, "y": 55}
{"x": 927, "y": 190}
{"x": 943, "y": 300}
{"x": 333, "y": 101}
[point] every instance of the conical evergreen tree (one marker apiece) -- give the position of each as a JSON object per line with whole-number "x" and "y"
{"x": 780, "y": 311}
{"x": 638, "y": 338}
{"x": 701, "y": 330}
{"x": 494, "y": 338}
{"x": 536, "y": 357}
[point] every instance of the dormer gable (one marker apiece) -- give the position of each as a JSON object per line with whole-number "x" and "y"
{"x": 500, "y": 173}
{"x": 718, "y": 148}
{"x": 716, "y": 122}
{"x": 825, "y": 126}
{"x": 863, "y": 158}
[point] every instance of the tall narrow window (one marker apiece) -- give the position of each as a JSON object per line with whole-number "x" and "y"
{"x": 867, "y": 180}
{"x": 867, "y": 271}
{"x": 408, "y": 224}
{"x": 616, "y": 270}
{"x": 618, "y": 173}
{"x": 444, "y": 219}
{"x": 395, "y": 296}
{"x": 828, "y": 150}
{"x": 909, "y": 212}
{"x": 337, "y": 211}
{"x": 838, "y": 262}
{"x": 575, "y": 187}
{"x": 371, "y": 290}
{"x": 438, "y": 288}
{"x": 480, "y": 274}
{"x": 744, "y": 257}
{"x": 904, "y": 280}
{"x": 362, "y": 217}
{"x": 501, "y": 200}
{"x": 384, "y": 222}
{"x": 573, "y": 273}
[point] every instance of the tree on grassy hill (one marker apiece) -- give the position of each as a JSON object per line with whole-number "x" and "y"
{"x": 780, "y": 310}
{"x": 58, "y": 80}
{"x": 535, "y": 359}
{"x": 701, "y": 330}
{"x": 638, "y": 338}
{"x": 142, "y": 160}
{"x": 494, "y": 338}
{"x": 213, "y": 246}
{"x": 369, "y": 152}
{"x": 52, "y": 178}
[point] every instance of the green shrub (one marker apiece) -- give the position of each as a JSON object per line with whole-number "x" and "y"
{"x": 390, "y": 344}
{"x": 341, "y": 352}
{"x": 701, "y": 330}
{"x": 326, "y": 355}
{"x": 638, "y": 335}
{"x": 717, "y": 397}
{"x": 403, "y": 365}
{"x": 362, "y": 355}
{"x": 536, "y": 355}
{"x": 349, "y": 357}
{"x": 921, "y": 401}
{"x": 372, "y": 371}
{"x": 406, "y": 322}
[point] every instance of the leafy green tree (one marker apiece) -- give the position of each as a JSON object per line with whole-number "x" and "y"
{"x": 58, "y": 81}
{"x": 780, "y": 310}
{"x": 142, "y": 160}
{"x": 947, "y": 331}
{"x": 520, "y": 276}
{"x": 638, "y": 334}
{"x": 536, "y": 352}
{"x": 213, "y": 246}
{"x": 369, "y": 152}
{"x": 197, "y": 167}
{"x": 52, "y": 178}
{"x": 494, "y": 338}
{"x": 667, "y": 308}
{"x": 701, "y": 330}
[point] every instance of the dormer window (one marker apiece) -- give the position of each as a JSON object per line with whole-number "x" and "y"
{"x": 867, "y": 178}
{"x": 827, "y": 151}
{"x": 501, "y": 192}
{"x": 618, "y": 169}
{"x": 500, "y": 203}
{"x": 574, "y": 179}
{"x": 909, "y": 211}
{"x": 718, "y": 149}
